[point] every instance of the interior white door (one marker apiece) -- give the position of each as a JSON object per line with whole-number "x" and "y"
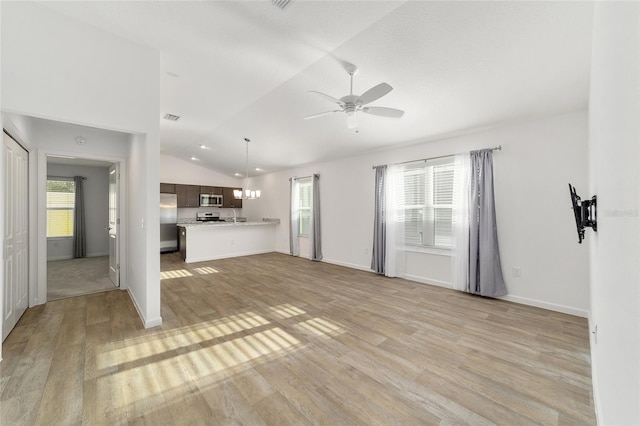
{"x": 16, "y": 234}
{"x": 114, "y": 224}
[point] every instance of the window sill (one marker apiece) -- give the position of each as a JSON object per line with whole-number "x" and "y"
{"x": 429, "y": 250}
{"x": 59, "y": 238}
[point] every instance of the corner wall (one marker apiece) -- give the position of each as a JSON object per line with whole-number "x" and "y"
{"x": 614, "y": 157}
{"x": 58, "y": 68}
{"x": 535, "y": 223}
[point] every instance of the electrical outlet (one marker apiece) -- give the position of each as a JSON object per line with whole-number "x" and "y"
{"x": 517, "y": 272}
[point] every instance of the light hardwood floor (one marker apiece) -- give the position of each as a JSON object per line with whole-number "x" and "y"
{"x": 272, "y": 339}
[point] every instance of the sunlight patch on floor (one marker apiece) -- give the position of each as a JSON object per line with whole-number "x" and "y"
{"x": 286, "y": 311}
{"x": 206, "y": 270}
{"x": 321, "y": 327}
{"x": 144, "y": 385}
{"x": 178, "y": 273}
{"x": 181, "y": 338}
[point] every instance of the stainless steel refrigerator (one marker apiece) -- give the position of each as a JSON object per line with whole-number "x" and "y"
{"x": 168, "y": 222}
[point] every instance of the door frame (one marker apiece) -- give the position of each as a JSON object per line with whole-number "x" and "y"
{"x": 39, "y": 294}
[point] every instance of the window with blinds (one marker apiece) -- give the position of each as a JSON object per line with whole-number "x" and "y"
{"x": 424, "y": 202}
{"x": 304, "y": 208}
{"x": 60, "y": 205}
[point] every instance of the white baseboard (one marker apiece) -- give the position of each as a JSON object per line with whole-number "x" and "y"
{"x": 97, "y": 254}
{"x": 547, "y": 305}
{"x": 59, "y": 258}
{"x": 594, "y": 373}
{"x": 430, "y": 281}
{"x": 67, "y": 257}
{"x": 348, "y": 265}
{"x": 147, "y": 323}
{"x": 511, "y": 298}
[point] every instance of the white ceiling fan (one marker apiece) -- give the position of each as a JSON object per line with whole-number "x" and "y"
{"x": 352, "y": 104}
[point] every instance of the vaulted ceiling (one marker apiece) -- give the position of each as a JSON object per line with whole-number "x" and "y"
{"x": 236, "y": 69}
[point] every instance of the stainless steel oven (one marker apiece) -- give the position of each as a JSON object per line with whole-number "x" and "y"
{"x": 210, "y": 200}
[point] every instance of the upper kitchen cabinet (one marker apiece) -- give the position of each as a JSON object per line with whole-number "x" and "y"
{"x": 213, "y": 190}
{"x": 188, "y": 195}
{"x": 228, "y": 200}
{"x": 168, "y": 188}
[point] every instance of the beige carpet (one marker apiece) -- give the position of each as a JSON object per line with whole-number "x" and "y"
{"x": 73, "y": 277}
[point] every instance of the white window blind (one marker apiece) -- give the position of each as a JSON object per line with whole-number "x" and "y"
{"x": 60, "y": 205}
{"x": 424, "y": 202}
{"x": 304, "y": 208}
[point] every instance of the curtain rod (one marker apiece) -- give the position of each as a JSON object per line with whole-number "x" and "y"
{"x": 304, "y": 177}
{"x": 495, "y": 148}
{"x": 64, "y": 177}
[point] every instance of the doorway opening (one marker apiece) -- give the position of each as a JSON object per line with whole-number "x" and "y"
{"x": 81, "y": 226}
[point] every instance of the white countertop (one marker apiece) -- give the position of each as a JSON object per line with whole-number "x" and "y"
{"x": 221, "y": 224}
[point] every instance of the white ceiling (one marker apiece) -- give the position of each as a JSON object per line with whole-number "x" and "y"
{"x": 239, "y": 69}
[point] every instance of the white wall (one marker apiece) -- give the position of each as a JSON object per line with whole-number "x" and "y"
{"x": 535, "y": 222}
{"x": 96, "y": 206}
{"x": 177, "y": 170}
{"x": 58, "y": 68}
{"x": 614, "y": 157}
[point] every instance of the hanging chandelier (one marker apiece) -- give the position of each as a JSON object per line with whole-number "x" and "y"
{"x": 247, "y": 194}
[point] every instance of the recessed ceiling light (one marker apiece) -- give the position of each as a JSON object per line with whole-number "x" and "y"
{"x": 203, "y": 146}
{"x": 258, "y": 169}
{"x": 237, "y": 174}
{"x": 194, "y": 159}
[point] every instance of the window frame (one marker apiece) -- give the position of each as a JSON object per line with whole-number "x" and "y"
{"x": 304, "y": 183}
{"x": 426, "y": 204}
{"x": 71, "y": 209}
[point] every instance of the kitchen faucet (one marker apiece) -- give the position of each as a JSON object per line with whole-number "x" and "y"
{"x": 235, "y": 216}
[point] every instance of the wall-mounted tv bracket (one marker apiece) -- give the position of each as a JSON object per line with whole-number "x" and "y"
{"x": 585, "y": 212}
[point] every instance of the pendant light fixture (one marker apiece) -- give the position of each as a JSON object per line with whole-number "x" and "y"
{"x": 248, "y": 194}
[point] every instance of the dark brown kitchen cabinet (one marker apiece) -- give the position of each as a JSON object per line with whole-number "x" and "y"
{"x": 168, "y": 188}
{"x": 188, "y": 195}
{"x": 213, "y": 190}
{"x": 228, "y": 200}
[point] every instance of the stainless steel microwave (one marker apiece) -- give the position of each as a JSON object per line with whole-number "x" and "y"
{"x": 210, "y": 200}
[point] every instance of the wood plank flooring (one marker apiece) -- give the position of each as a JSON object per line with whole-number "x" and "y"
{"x": 277, "y": 340}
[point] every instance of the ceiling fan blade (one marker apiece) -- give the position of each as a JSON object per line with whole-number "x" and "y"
{"x": 376, "y": 92}
{"x": 384, "y": 112}
{"x": 331, "y": 98}
{"x": 320, "y": 114}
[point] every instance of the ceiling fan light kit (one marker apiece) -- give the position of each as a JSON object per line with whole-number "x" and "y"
{"x": 352, "y": 104}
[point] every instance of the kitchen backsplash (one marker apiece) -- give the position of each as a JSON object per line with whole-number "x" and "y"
{"x": 186, "y": 214}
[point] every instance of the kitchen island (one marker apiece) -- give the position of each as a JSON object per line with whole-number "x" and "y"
{"x": 202, "y": 241}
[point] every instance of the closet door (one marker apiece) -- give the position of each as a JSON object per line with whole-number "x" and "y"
{"x": 16, "y": 234}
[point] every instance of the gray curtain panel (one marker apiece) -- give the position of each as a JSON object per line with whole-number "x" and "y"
{"x": 316, "y": 240}
{"x": 485, "y": 271}
{"x": 79, "y": 232}
{"x": 378, "y": 254}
